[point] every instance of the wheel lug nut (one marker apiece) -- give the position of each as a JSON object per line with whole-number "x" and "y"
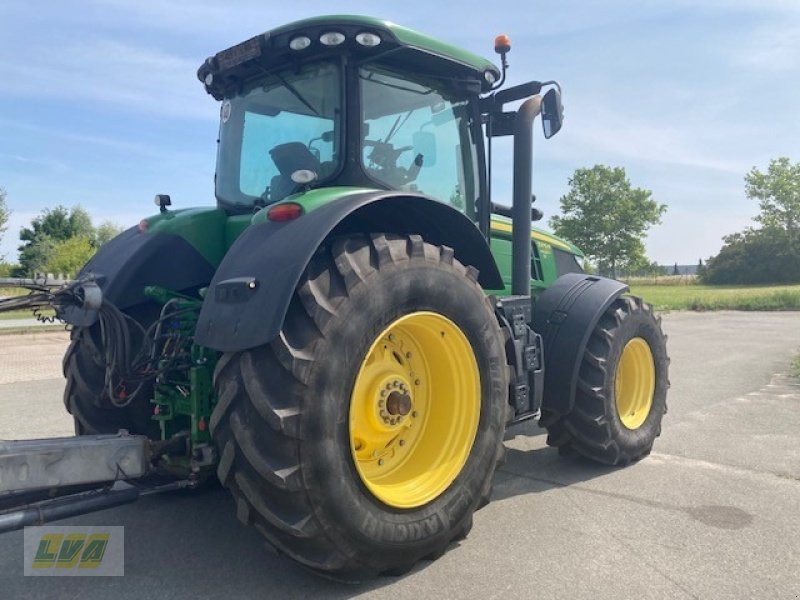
{"x": 417, "y": 382}
{"x": 380, "y": 462}
{"x": 414, "y": 414}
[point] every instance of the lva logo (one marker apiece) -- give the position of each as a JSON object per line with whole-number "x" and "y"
{"x": 74, "y": 551}
{"x": 71, "y": 550}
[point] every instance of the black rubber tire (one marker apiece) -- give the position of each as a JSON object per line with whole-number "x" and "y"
{"x": 593, "y": 428}
{"x": 281, "y": 423}
{"x": 85, "y": 396}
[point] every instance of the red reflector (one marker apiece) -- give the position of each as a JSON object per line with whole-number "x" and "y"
{"x": 202, "y": 424}
{"x": 285, "y": 212}
{"x": 143, "y": 225}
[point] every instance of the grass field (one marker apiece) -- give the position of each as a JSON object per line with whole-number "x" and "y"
{"x": 718, "y": 297}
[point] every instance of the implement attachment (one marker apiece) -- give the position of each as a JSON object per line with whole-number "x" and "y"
{"x": 58, "y": 462}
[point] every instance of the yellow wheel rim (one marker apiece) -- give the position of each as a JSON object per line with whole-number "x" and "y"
{"x": 635, "y": 383}
{"x": 414, "y": 410}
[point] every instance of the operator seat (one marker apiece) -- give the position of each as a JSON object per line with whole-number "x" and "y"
{"x": 290, "y": 157}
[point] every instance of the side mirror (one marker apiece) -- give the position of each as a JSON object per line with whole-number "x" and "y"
{"x": 552, "y": 113}
{"x": 424, "y": 143}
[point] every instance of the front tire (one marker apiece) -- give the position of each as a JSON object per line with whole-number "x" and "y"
{"x": 305, "y": 434}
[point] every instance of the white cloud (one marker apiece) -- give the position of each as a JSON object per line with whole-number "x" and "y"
{"x": 773, "y": 47}
{"x": 108, "y": 72}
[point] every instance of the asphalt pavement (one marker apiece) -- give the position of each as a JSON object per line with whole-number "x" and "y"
{"x": 713, "y": 512}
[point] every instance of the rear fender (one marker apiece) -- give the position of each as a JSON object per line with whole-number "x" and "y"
{"x": 250, "y": 293}
{"x": 133, "y": 260}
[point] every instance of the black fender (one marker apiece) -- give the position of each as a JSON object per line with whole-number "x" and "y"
{"x": 565, "y": 315}
{"x": 128, "y": 263}
{"x": 249, "y": 296}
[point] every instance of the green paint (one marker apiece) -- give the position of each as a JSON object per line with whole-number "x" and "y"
{"x": 203, "y": 228}
{"x": 184, "y": 393}
{"x": 543, "y": 242}
{"x": 45, "y": 552}
{"x": 70, "y": 552}
{"x": 404, "y": 35}
{"x": 234, "y": 227}
{"x": 95, "y": 550}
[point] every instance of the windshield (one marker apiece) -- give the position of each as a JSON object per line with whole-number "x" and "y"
{"x": 417, "y": 138}
{"x": 279, "y": 136}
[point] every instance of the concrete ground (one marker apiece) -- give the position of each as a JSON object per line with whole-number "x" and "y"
{"x": 714, "y": 512}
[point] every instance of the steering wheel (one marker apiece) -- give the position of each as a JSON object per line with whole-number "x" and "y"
{"x": 384, "y": 154}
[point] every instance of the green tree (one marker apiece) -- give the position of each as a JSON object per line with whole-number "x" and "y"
{"x": 4, "y": 214}
{"x": 778, "y": 195}
{"x": 606, "y": 217}
{"x": 675, "y": 270}
{"x": 34, "y": 254}
{"x": 68, "y": 256}
{"x": 771, "y": 253}
{"x": 755, "y": 256}
{"x": 59, "y": 224}
{"x": 46, "y": 231}
{"x": 105, "y": 232}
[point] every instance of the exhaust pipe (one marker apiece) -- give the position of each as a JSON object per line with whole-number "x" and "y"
{"x": 522, "y": 202}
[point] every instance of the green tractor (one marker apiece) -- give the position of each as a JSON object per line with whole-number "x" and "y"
{"x": 344, "y": 339}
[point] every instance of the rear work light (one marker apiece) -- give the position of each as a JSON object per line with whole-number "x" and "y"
{"x": 285, "y": 212}
{"x": 300, "y": 42}
{"x": 368, "y": 39}
{"x": 331, "y": 38}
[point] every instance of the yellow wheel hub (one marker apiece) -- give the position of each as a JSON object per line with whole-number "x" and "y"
{"x": 414, "y": 410}
{"x": 635, "y": 383}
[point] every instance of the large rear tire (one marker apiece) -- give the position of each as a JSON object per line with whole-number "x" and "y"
{"x": 85, "y": 396}
{"x": 621, "y": 391}
{"x": 363, "y": 438}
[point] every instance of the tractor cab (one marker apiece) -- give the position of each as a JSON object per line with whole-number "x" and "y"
{"x": 348, "y": 101}
{"x": 356, "y": 102}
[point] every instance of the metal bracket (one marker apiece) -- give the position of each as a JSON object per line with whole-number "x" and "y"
{"x": 525, "y": 355}
{"x": 58, "y": 462}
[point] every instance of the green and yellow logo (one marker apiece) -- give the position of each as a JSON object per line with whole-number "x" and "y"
{"x": 70, "y": 551}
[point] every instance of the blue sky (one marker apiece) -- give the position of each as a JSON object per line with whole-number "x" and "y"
{"x": 101, "y": 107}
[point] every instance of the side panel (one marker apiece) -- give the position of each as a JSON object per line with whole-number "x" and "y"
{"x": 131, "y": 261}
{"x": 565, "y": 315}
{"x": 551, "y": 256}
{"x": 250, "y": 293}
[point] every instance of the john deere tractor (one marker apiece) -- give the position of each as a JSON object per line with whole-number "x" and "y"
{"x": 344, "y": 339}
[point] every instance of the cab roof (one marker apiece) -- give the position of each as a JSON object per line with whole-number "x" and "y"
{"x": 400, "y": 46}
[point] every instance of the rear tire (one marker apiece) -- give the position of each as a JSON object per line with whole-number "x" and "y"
{"x": 85, "y": 396}
{"x": 621, "y": 391}
{"x": 283, "y": 420}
